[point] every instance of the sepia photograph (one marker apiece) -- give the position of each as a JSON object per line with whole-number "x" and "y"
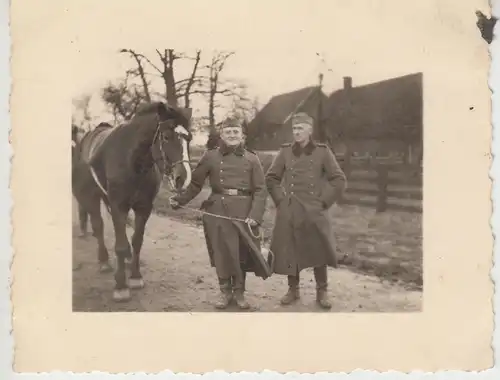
{"x": 193, "y": 177}
{"x": 200, "y": 184}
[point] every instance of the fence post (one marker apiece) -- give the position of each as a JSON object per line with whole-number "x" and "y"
{"x": 341, "y": 162}
{"x": 382, "y": 180}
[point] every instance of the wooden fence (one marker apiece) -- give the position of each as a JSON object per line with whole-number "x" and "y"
{"x": 382, "y": 184}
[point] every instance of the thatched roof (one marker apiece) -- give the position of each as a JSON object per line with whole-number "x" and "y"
{"x": 383, "y": 109}
{"x": 281, "y": 106}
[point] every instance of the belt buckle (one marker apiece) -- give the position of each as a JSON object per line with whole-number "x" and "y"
{"x": 232, "y": 191}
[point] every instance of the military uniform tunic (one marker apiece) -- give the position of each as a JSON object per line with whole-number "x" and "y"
{"x": 229, "y": 170}
{"x": 304, "y": 183}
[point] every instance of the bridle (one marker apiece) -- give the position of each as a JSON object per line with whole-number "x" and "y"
{"x": 167, "y": 172}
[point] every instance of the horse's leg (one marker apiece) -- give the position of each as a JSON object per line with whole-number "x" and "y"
{"x": 122, "y": 250}
{"x": 83, "y": 216}
{"x": 141, "y": 216}
{"x": 98, "y": 229}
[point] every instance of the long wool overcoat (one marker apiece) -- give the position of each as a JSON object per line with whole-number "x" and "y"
{"x": 304, "y": 183}
{"x": 229, "y": 169}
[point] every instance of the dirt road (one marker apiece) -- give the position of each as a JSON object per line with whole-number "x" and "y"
{"x": 178, "y": 278}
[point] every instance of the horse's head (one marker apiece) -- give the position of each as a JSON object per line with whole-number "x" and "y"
{"x": 174, "y": 134}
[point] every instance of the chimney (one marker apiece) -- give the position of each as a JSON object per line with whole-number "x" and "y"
{"x": 347, "y": 82}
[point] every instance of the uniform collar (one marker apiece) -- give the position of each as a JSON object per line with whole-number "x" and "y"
{"x": 308, "y": 149}
{"x": 225, "y": 150}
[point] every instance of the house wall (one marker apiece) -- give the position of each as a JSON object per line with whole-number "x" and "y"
{"x": 381, "y": 118}
{"x": 272, "y": 137}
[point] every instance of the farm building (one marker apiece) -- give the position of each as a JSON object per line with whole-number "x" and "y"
{"x": 377, "y": 119}
{"x": 271, "y": 126}
{"x": 382, "y": 118}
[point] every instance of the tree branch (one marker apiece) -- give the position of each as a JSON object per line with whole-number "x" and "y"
{"x": 140, "y": 69}
{"x": 151, "y": 63}
{"x": 191, "y": 79}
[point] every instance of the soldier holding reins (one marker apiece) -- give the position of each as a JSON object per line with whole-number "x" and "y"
{"x": 239, "y": 192}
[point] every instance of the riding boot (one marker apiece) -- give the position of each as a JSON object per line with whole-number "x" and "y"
{"x": 321, "y": 277}
{"x": 225, "y": 295}
{"x": 293, "y": 293}
{"x": 239, "y": 291}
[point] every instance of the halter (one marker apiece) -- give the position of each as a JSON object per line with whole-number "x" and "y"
{"x": 169, "y": 165}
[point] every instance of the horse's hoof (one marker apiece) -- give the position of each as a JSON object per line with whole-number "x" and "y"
{"x": 105, "y": 268}
{"x": 136, "y": 283}
{"x": 121, "y": 295}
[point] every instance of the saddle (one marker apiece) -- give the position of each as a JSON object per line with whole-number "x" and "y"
{"x": 93, "y": 143}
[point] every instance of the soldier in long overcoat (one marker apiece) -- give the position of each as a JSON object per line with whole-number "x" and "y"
{"x": 303, "y": 233}
{"x": 239, "y": 191}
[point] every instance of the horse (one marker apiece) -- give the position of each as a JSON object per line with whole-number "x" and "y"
{"x": 117, "y": 165}
{"x": 83, "y": 216}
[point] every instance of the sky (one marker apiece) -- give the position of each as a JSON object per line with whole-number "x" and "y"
{"x": 264, "y": 77}
{"x": 364, "y": 41}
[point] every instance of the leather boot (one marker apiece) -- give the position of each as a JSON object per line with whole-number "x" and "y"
{"x": 321, "y": 277}
{"x": 239, "y": 292}
{"x": 293, "y": 293}
{"x": 225, "y": 295}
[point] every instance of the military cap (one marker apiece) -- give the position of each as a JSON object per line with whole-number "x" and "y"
{"x": 230, "y": 122}
{"x": 302, "y": 118}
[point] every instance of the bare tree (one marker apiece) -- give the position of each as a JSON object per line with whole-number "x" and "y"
{"x": 139, "y": 71}
{"x": 123, "y": 99}
{"x": 213, "y": 86}
{"x": 208, "y": 84}
{"x": 203, "y": 79}
{"x": 172, "y": 89}
{"x": 185, "y": 87}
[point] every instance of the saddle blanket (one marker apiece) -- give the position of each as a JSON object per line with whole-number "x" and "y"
{"x": 94, "y": 141}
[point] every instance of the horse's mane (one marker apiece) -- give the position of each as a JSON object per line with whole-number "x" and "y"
{"x": 147, "y": 108}
{"x": 164, "y": 110}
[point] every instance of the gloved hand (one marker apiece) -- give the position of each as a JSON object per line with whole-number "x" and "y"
{"x": 251, "y": 222}
{"x": 174, "y": 203}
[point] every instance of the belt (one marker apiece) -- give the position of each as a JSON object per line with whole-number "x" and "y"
{"x": 232, "y": 192}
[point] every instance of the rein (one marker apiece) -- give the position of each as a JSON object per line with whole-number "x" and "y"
{"x": 260, "y": 236}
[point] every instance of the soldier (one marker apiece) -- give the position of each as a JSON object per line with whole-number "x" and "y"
{"x": 302, "y": 236}
{"x": 238, "y": 191}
